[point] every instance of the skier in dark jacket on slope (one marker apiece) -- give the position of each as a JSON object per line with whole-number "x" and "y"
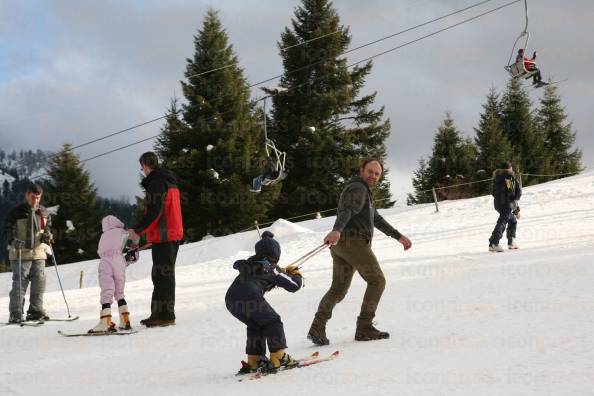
{"x": 507, "y": 190}
{"x": 245, "y": 300}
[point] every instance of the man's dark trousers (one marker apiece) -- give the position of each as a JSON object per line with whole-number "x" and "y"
{"x": 163, "y": 276}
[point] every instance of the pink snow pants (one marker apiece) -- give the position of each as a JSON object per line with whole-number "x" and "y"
{"x": 112, "y": 278}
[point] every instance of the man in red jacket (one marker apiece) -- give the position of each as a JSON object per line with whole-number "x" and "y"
{"x": 530, "y": 65}
{"x": 162, "y": 225}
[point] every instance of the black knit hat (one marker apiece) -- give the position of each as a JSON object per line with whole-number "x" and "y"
{"x": 268, "y": 246}
{"x": 505, "y": 165}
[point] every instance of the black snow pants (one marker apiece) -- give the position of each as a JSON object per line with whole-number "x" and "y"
{"x": 506, "y": 219}
{"x": 264, "y": 325}
{"x": 163, "y": 276}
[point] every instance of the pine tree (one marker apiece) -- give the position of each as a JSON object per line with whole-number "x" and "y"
{"x": 518, "y": 127}
{"x": 452, "y": 161}
{"x": 214, "y": 143}
{"x": 69, "y": 186}
{"x": 559, "y": 137}
{"x": 422, "y": 185}
{"x": 174, "y": 140}
{"x": 492, "y": 145}
{"x": 319, "y": 117}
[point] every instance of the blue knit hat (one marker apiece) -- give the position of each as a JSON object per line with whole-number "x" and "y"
{"x": 268, "y": 246}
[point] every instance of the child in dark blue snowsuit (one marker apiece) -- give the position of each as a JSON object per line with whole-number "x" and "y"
{"x": 245, "y": 300}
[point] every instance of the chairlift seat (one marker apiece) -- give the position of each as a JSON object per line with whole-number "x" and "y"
{"x": 518, "y": 70}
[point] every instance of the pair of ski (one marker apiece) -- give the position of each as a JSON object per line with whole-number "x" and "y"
{"x": 312, "y": 359}
{"x": 35, "y": 323}
{"x": 99, "y": 333}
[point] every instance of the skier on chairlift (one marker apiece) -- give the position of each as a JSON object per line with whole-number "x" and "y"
{"x": 530, "y": 65}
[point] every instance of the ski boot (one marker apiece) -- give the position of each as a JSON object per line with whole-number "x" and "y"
{"x": 124, "y": 318}
{"x": 105, "y": 324}
{"x": 15, "y": 318}
{"x": 280, "y": 359}
{"x": 34, "y": 315}
{"x": 251, "y": 366}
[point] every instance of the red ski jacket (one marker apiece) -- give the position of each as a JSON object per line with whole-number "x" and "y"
{"x": 162, "y": 220}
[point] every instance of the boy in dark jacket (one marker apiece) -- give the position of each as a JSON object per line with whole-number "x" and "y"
{"x": 245, "y": 300}
{"x": 507, "y": 190}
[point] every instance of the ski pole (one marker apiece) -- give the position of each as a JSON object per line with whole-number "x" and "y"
{"x": 58, "y": 275}
{"x": 21, "y": 285}
{"x": 309, "y": 255}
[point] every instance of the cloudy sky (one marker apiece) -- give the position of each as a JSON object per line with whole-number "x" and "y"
{"x": 71, "y": 71}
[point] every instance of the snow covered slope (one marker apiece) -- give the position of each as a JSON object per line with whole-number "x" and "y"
{"x": 463, "y": 321}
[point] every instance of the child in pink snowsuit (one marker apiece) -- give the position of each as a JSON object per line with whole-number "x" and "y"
{"x": 112, "y": 274}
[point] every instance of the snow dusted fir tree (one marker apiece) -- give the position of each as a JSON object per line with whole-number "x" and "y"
{"x": 214, "y": 142}
{"x": 69, "y": 186}
{"x": 518, "y": 127}
{"x": 452, "y": 162}
{"x": 422, "y": 185}
{"x": 319, "y": 117}
{"x": 559, "y": 138}
{"x": 492, "y": 145}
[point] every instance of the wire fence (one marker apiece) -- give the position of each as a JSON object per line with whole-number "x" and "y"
{"x": 319, "y": 213}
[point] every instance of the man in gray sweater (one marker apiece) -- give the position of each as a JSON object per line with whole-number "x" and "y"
{"x": 351, "y": 251}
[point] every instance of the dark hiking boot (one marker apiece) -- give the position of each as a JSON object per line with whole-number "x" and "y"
{"x": 317, "y": 334}
{"x": 158, "y": 322}
{"x": 367, "y": 332}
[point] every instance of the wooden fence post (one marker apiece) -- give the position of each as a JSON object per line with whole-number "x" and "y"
{"x": 435, "y": 199}
{"x": 257, "y": 228}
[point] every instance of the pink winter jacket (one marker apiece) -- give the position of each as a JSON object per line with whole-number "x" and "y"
{"x": 113, "y": 238}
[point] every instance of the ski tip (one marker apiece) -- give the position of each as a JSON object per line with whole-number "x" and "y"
{"x": 315, "y": 354}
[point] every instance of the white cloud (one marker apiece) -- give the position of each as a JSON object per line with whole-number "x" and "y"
{"x": 76, "y": 72}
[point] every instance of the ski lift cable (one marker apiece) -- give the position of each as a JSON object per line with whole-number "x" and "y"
{"x": 377, "y": 41}
{"x": 436, "y": 32}
{"x": 353, "y": 49}
{"x": 106, "y": 153}
{"x": 281, "y": 49}
{"x": 136, "y": 126}
{"x": 322, "y": 77}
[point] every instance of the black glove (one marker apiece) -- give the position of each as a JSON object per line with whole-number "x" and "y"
{"x": 534, "y": 55}
{"x": 131, "y": 256}
{"x": 17, "y": 244}
{"x": 47, "y": 237}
